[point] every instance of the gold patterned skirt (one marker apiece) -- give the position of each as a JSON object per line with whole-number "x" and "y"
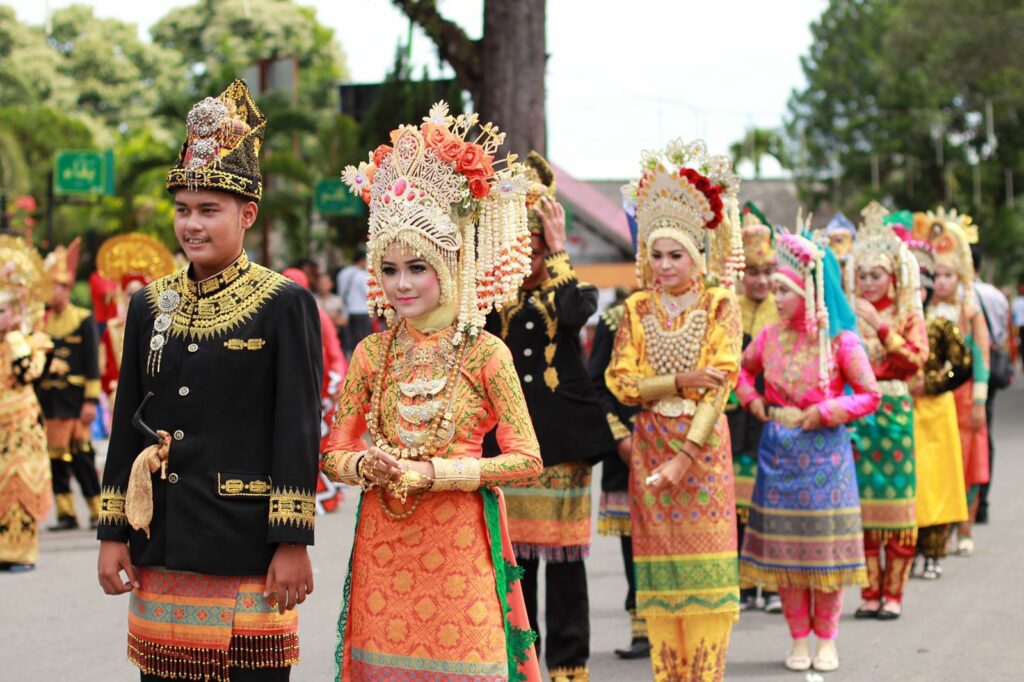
{"x": 24, "y": 476}
{"x": 551, "y": 518}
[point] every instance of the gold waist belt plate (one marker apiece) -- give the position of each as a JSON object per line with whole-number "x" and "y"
{"x": 675, "y": 406}
{"x": 790, "y": 417}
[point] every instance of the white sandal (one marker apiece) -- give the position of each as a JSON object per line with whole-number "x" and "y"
{"x": 827, "y": 658}
{"x": 799, "y": 658}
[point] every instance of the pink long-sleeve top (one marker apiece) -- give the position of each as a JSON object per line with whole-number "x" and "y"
{"x": 789, "y": 360}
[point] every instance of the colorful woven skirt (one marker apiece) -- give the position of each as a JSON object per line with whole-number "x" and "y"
{"x": 613, "y": 514}
{"x": 941, "y": 496}
{"x": 744, "y": 469}
{"x": 435, "y": 596}
{"x": 195, "y": 627}
{"x": 551, "y": 518}
{"x": 24, "y": 476}
{"x": 804, "y": 527}
{"x": 973, "y": 442}
{"x": 884, "y": 452}
{"x": 684, "y": 538}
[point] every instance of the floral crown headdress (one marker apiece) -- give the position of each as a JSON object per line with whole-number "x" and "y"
{"x": 439, "y": 194}
{"x": 951, "y": 235}
{"x": 878, "y": 245}
{"x": 689, "y": 196}
{"x": 23, "y": 279}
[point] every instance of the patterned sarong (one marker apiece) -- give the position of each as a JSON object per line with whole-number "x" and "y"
{"x": 551, "y": 518}
{"x": 804, "y": 528}
{"x": 884, "y": 452}
{"x": 24, "y": 476}
{"x": 744, "y": 467}
{"x": 195, "y": 627}
{"x": 684, "y": 539}
{"x": 613, "y": 514}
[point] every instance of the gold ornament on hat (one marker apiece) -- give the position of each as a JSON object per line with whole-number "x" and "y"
{"x": 542, "y": 184}
{"x": 61, "y": 264}
{"x": 758, "y": 249}
{"x": 951, "y": 234}
{"x": 133, "y": 255}
{"x": 23, "y": 279}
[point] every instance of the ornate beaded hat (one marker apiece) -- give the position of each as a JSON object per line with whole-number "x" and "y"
{"x": 222, "y": 149}
{"x": 542, "y": 184}
{"x": 878, "y": 246}
{"x": 23, "y": 279}
{"x": 61, "y": 264}
{"x": 133, "y": 256}
{"x": 758, "y": 242}
{"x": 439, "y": 195}
{"x": 689, "y": 196}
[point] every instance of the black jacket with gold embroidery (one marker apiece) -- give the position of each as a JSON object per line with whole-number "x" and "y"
{"x": 72, "y": 373}
{"x": 542, "y": 329}
{"x": 234, "y": 364}
{"x": 614, "y": 472}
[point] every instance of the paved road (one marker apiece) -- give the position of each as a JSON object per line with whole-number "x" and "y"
{"x": 58, "y": 625}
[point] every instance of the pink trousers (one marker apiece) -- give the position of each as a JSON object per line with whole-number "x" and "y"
{"x": 796, "y": 605}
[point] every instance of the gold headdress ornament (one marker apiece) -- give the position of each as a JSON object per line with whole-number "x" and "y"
{"x": 878, "y": 246}
{"x": 951, "y": 235}
{"x": 61, "y": 264}
{"x": 689, "y": 196}
{"x": 222, "y": 150}
{"x": 23, "y": 279}
{"x": 438, "y": 194}
{"x": 758, "y": 248}
{"x": 542, "y": 184}
{"x": 133, "y": 255}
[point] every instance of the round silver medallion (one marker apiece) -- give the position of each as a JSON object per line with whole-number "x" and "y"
{"x": 168, "y": 301}
{"x": 157, "y": 342}
{"x": 162, "y": 322}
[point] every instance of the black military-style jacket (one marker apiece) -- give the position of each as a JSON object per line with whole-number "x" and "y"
{"x": 542, "y": 329}
{"x": 234, "y": 363}
{"x": 72, "y": 373}
{"x": 615, "y": 472}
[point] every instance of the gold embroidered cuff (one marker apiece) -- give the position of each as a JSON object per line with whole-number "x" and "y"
{"x": 980, "y": 392}
{"x": 703, "y": 424}
{"x": 112, "y": 508}
{"x": 457, "y": 473}
{"x": 292, "y": 507}
{"x": 342, "y": 466}
{"x": 92, "y": 389}
{"x": 559, "y": 269}
{"x": 619, "y": 430}
{"x": 657, "y": 387}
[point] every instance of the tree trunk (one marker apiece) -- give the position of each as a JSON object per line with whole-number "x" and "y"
{"x": 514, "y": 59}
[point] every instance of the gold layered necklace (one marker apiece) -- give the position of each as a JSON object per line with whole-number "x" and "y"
{"x": 671, "y": 351}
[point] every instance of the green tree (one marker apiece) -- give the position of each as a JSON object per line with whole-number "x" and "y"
{"x": 758, "y": 143}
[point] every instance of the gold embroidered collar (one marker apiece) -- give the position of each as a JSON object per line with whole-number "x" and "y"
{"x": 64, "y": 323}
{"x": 222, "y": 279}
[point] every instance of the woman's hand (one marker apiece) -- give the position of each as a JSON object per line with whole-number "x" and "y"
{"x": 379, "y": 467}
{"x": 978, "y": 417}
{"x": 425, "y": 471}
{"x": 706, "y": 377}
{"x": 866, "y": 311}
{"x": 758, "y": 409}
{"x": 811, "y": 420}
{"x": 672, "y": 472}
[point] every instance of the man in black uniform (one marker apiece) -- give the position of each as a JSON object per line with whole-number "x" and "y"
{"x": 229, "y": 352}
{"x": 551, "y": 519}
{"x": 69, "y": 391}
{"x": 613, "y": 517}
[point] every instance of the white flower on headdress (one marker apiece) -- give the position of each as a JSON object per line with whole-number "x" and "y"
{"x": 677, "y": 152}
{"x": 696, "y": 150}
{"x": 438, "y": 114}
{"x": 356, "y": 178}
{"x": 508, "y": 184}
{"x": 650, "y": 158}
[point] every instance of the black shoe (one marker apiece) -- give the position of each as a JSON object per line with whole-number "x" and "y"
{"x": 640, "y": 647}
{"x": 883, "y": 614}
{"x": 6, "y": 567}
{"x": 863, "y": 613}
{"x": 982, "y": 516}
{"x": 65, "y": 523}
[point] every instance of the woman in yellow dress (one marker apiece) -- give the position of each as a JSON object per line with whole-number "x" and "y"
{"x": 677, "y": 355}
{"x": 24, "y": 462}
{"x": 433, "y": 589}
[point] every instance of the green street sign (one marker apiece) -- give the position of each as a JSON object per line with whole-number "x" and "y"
{"x": 333, "y": 198}
{"x": 83, "y": 173}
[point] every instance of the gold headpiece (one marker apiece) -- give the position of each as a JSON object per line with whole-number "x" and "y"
{"x": 542, "y": 184}
{"x": 439, "y": 194}
{"x": 61, "y": 264}
{"x": 133, "y": 256}
{"x": 22, "y": 277}
{"x": 878, "y": 246}
{"x": 689, "y": 196}
{"x": 223, "y": 146}
{"x": 950, "y": 235}
{"x": 758, "y": 249}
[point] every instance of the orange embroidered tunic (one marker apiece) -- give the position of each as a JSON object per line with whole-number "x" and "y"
{"x": 426, "y": 594}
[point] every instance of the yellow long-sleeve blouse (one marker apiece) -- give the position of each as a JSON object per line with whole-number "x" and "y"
{"x": 488, "y": 394}
{"x": 631, "y": 374}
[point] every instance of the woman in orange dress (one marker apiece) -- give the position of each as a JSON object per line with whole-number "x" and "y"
{"x": 433, "y": 588}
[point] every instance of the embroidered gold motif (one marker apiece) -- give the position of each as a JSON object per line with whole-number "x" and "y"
{"x": 551, "y": 378}
{"x": 245, "y": 344}
{"x": 236, "y": 487}
{"x": 60, "y": 325}
{"x": 216, "y": 305}
{"x": 292, "y": 507}
{"x": 112, "y": 508}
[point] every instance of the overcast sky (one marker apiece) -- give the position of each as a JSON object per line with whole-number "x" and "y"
{"x": 622, "y": 77}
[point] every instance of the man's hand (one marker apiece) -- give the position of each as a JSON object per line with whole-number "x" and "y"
{"x": 88, "y": 413}
{"x": 757, "y": 408}
{"x": 114, "y": 558}
{"x": 290, "y": 577}
{"x": 552, "y": 218}
{"x": 625, "y": 449}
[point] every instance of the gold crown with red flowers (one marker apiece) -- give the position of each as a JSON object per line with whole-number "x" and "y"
{"x": 439, "y": 194}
